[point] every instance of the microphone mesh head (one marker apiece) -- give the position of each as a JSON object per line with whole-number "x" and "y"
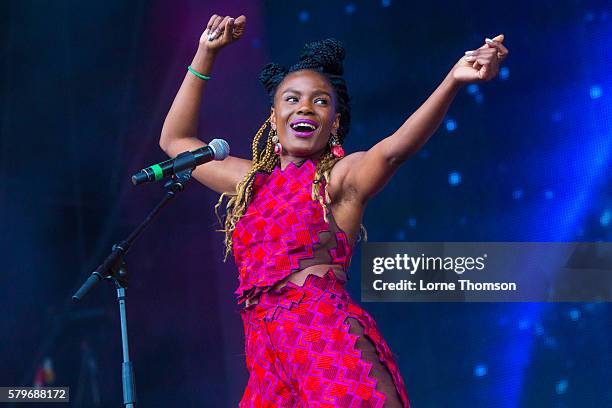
{"x": 220, "y": 148}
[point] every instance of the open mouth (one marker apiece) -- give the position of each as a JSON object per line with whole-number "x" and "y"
{"x": 304, "y": 128}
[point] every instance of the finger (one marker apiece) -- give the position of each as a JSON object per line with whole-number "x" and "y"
{"x": 239, "y": 26}
{"x": 484, "y": 46}
{"x": 215, "y": 23}
{"x": 472, "y": 56}
{"x": 478, "y": 62}
{"x": 488, "y": 68}
{"x": 502, "y": 48}
{"x": 228, "y": 31}
{"x": 499, "y": 46}
{"x": 222, "y": 24}
{"x": 221, "y": 27}
{"x": 499, "y": 38}
{"x": 483, "y": 71}
{"x": 209, "y": 25}
{"x": 502, "y": 52}
{"x": 240, "y": 20}
{"x": 210, "y": 22}
{"x": 489, "y": 51}
{"x": 215, "y": 27}
{"x": 487, "y": 60}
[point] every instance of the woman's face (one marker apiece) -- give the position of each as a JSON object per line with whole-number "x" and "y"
{"x": 304, "y": 113}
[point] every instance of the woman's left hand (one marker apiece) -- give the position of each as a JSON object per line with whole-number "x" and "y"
{"x": 482, "y": 64}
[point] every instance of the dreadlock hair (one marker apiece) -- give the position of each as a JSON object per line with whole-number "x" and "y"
{"x": 324, "y": 57}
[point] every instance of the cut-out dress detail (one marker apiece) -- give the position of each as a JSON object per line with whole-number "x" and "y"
{"x": 310, "y": 345}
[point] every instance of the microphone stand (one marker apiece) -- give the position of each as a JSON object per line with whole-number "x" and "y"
{"x": 114, "y": 268}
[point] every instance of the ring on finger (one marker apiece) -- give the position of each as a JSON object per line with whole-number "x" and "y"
{"x": 213, "y": 35}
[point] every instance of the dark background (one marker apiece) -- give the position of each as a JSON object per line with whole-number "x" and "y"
{"x": 526, "y": 157}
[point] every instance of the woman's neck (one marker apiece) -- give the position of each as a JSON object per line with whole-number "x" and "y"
{"x": 286, "y": 159}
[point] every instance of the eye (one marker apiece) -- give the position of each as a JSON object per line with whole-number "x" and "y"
{"x": 322, "y": 100}
{"x": 288, "y": 99}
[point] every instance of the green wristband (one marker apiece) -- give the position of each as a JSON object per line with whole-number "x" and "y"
{"x": 196, "y": 73}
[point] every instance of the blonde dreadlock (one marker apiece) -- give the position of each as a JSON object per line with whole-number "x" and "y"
{"x": 323, "y": 172}
{"x": 264, "y": 159}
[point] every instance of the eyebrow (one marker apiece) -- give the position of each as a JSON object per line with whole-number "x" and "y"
{"x": 316, "y": 92}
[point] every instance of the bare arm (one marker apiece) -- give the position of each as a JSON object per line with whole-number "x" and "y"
{"x": 367, "y": 172}
{"x": 181, "y": 124}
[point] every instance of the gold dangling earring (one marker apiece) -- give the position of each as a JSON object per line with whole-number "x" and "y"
{"x": 278, "y": 148}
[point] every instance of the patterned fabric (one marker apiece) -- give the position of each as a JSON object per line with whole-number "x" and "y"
{"x": 300, "y": 353}
{"x": 280, "y": 229}
{"x": 300, "y": 343}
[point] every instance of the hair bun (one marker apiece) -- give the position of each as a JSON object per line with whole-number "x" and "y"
{"x": 271, "y": 75}
{"x": 325, "y": 55}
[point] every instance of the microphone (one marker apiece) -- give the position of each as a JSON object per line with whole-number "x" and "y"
{"x": 217, "y": 149}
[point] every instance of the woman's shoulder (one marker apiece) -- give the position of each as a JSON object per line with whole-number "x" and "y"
{"x": 342, "y": 166}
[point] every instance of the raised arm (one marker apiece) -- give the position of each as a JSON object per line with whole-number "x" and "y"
{"x": 180, "y": 129}
{"x": 365, "y": 173}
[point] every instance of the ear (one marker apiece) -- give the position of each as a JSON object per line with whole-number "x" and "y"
{"x": 272, "y": 118}
{"x": 336, "y": 124}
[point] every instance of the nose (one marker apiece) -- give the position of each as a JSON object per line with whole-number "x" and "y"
{"x": 305, "y": 108}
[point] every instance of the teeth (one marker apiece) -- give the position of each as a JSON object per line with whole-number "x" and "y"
{"x": 308, "y": 125}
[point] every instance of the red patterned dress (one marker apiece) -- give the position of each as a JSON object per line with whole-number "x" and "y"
{"x": 310, "y": 345}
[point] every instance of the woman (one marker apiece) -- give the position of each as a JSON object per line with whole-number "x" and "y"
{"x": 294, "y": 215}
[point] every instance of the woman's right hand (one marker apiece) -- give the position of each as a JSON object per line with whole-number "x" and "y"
{"x": 221, "y": 31}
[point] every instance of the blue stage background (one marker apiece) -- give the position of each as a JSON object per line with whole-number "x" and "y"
{"x": 526, "y": 157}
